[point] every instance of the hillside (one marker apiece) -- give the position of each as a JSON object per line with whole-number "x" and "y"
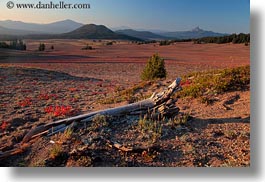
{"x": 194, "y": 33}
{"x": 90, "y": 31}
{"x": 50, "y": 28}
{"x": 9, "y": 31}
{"x": 145, "y": 35}
{"x": 93, "y": 31}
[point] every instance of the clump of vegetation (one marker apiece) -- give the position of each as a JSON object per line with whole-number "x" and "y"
{"x": 63, "y": 137}
{"x": 180, "y": 119}
{"x": 234, "y": 38}
{"x": 207, "y": 100}
{"x": 42, "y": 47}
{"x": 155, "y": 68}
{"x": 165, "y": 43}
{"x": 109, "y": 43}
{"x": 170, "y": 42}
{"x": 4, "y": 45}
{"x": 84, "y": 161}
{"x": 131, "y": 94}
{"x": 231, "y": 134}
{"x": 145, "y": 42}
{"x": 16, "y": 44}
{"x": 215, "y": 82}
{"x": 150, "y": 127}
{"x": 87, "y": 47}
{"x": 99, "y": 122}
{"x": 67, "y": 134}
{"x": 56, "y": 151}
{"x": 52, "y": 47}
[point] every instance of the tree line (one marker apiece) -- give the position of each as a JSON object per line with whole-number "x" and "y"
{"x": 15, "y": 44}
{"x": 234, "y": 38}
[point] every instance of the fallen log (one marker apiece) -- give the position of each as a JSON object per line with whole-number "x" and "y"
{"x": 155, "y": 101}
{"x": 159, "y": 102}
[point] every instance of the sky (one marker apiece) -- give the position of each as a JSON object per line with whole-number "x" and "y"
{"x": 224, "y": 16}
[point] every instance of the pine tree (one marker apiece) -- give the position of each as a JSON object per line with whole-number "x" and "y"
{"x": 154, "y": 69}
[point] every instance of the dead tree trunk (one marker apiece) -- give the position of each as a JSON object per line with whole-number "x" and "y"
{"x": 157, "y": 100}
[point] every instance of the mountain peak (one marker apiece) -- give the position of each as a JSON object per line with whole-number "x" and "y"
{"x": 67, "y": 21}
{"x": 50, "y": 28}
{"x": 197, "y": 29}
{"x": 93, "y": 31}
{"x": 94, "y": 27}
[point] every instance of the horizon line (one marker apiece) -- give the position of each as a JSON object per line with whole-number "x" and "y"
{"x": 128, "y": 27}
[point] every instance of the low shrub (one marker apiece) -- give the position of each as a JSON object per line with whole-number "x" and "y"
{"x": 154, "y": 69}
{"x": 215, "y": 82}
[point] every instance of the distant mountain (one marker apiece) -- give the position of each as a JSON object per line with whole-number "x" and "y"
{"x": 8, "y": 31}
{"x": 51, "y": 28}
{"x": 90, "y": 31}
{"x": 69, "y": 29}
{"x": 156, "y": 31}
{"x": 145, "y": 35}
{"x": 119, "y": 28}
{"x": 194, "y": 33}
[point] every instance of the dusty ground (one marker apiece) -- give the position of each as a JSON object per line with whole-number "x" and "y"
{"x": 36, "y": 88}
{"x": 124, "y": 59}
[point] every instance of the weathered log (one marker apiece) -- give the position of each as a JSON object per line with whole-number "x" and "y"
{"x": 155, "y": 100}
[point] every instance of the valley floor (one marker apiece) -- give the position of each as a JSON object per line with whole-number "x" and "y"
{"x": 213, "y": 135}
{"x": 38, "y": 88}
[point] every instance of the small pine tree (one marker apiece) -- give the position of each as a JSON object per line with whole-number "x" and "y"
{"x": 154, "y": 69}
{"x": 52, "y": 47}
{"x": 41, "y": 47}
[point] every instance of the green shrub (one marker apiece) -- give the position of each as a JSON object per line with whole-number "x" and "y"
{"x": 216, "y": 82}
{"x": 99, "y": 122}
{"x": 56, "y": 151}
{"x": 87, "y": 47}
{"x": 165, "y": 43}
{"x": 154, "y": 69}
{"x": 151, "y": 128}
{"x": 42, "y": 47}
{"x": 109, "y": 43}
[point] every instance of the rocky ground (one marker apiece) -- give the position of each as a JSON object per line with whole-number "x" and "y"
{"x": 213, "y": 135}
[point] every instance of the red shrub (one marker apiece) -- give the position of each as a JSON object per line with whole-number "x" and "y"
{"x": 44, "y": 97}
{"x": 59, "y": 110}
{"x": 72, "y": 89}
{"x": 47, "y": 96}
{"x": 3, "y": 125}
{"x": 26, "y": 102}
{"x": 48, "y": 109}
{"x": 186, "y": 83}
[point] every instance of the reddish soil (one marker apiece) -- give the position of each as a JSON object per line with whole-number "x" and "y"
{"x": 129, "y": 59}
{"x": 38, "y": 88}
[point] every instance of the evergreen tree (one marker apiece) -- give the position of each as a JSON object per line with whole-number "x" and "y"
{"x": 42, "y": 47}
{"x": 154, "y": 69}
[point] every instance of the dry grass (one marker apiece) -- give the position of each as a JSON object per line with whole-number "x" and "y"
{"x": 56, "y": 151}
{"x": 203, "y": 84}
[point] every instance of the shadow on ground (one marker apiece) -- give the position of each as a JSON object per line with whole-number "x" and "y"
{"x": 40, "y": 74}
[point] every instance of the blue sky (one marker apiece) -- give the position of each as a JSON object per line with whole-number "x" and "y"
{"x": 226, "y": 16}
